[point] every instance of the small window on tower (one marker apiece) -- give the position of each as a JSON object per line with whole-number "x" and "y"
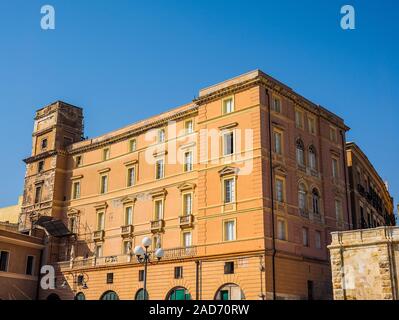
{"x": 40, "y": 166}
{"x": 44, "y": 144}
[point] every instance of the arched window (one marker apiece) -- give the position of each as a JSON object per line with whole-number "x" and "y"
{"x": 315, "y": 202}
{"x": 312, "y": 158}
{"x": 179, "y": 293}
{"x": 109, "y": 295}
{"x": 140, "y": 295}
{"x": 300, "y": 152}
{"x": 302, "y": 197}
{"x": 230, "y": 291}
{"x": 80, "y": 296}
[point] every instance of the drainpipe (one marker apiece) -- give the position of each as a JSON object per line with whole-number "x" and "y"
{"x": 272, "y": 196}
{"x": 197, "y": 280}
{"x": 345, "y": 176}
{"x": 39, "y": 275}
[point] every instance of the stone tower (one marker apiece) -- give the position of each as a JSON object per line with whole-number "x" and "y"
{"x": 56, "y": 126}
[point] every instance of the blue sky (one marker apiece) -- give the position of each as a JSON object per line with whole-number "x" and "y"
{"x": 126, "y": 60}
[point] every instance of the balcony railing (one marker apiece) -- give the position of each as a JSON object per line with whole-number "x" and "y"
{"x": 169, "y": 254}
{"x": 98, "y": 235}
{"x": 304, "y": 213}
{"x": 127, "y": 230}
{"x": 186, "y": 221}
{"x": 157, "y": 225}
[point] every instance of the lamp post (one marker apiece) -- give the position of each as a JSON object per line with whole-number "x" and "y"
{"x": 144, "y": 257}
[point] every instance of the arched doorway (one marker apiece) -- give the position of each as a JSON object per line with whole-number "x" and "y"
{"x": 53, "y": 296}
{"x": 80, "y": 296}
{"x": 109, "y": 295}
{"x": 178, "y": 293}
{"x": 230, "y": 291}
{"x": 140, "y": 295}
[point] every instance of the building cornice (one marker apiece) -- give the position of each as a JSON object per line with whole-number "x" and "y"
{"x": 261, "y": 79}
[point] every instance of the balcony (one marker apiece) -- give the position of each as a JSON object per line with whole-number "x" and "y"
{"x": 157, "y": 225}
{"x": 304, "y": 213}
{"x": 127, "y": 231}
{"x": 186, "y": 221}
{"x": 98, "y": 235}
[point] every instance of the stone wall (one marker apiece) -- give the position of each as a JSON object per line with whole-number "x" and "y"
{"x": 364, "y": 264}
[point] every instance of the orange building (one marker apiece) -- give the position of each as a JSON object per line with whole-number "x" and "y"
{"x": 241, "y": 188}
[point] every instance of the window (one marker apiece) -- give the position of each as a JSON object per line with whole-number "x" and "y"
{"x": 312, "y": 125}
{"x": 229, "y": 230}
{"x": 127, "y": 247}
{"x": 318, "y": 239}
{"x": 228, "y": 143}
{"x": 188, "y": 161}
{"x": 281, "y": 229}
{"x": 141, "y": 275}
{"x": 178, "y": 272}
{"x": 299, "y": 119}
{"x": 159, "y": 169}
{"x": 333, "y": 134}
{"x": 187, "y": 239}
{"x": 99, "y": 250}
{"x": 312, "y": 158}
{"x": 38, "y": 194}
{"x": 229, "y": 267}
{"x": 78, "y": 161}
{"x": 161, "y": 135}
{"x": 310, "y": 290}
{"x": 335, "y": 167}
{"x": 229, "y": 190}
{"x": 187, "y": 203}
{"x": 76, "y": 190}
{"x": 104, "y": 184}
{"x": 228, "y": 105}
{"x": 156, "y": 242}
{"x": 110, "y": 277}
{"x": 276, "y": 105}
{"x": 40, "y": 166}
{"x": 315, "y": 202}
{"x": 302, "y": 197}
{"x": 189, "y": 126}
{"x": 100, "y": 220}
{"x": 158, "y": 214}
{"x": 44, "y": 144}
{"x": 305, "y": 237}
{"x": 278, "y": 138}
{"x": 106, "y": 154}
{"x": 132, "y": 145}
{"x": 300, "y": 153}
{"x": 128, "y": 215}
{"x": 131, "y": 176}
{"x": 4, "y": 256}
{"x": 338, "y": 210}
{"x": 80, "y": 279}
{"x": 72, "y": 225}
{"x": 279, "y": 190}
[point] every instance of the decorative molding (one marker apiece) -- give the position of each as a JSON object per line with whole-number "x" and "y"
{"x": 186, "y": 186}
{"x": 130, "y": 163}
{"x": 188, "y": 145}
{"x": 101, "y": 205}
{"x": 104, "y": 170}
{"x": 160, "y": 153}
{"x": 228, "y": 126}
{"x": 128, "y": 199}
{"x": 77, "y": 177}
{"x": 228, "y": 170}
{"x": 73, "y": 212}
{"x": 159, "y": 193}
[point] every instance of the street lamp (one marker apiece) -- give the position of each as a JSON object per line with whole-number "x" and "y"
{"x": 144, "y": 257}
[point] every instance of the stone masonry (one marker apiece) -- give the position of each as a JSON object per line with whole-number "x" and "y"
{"x": 364, "y": 264}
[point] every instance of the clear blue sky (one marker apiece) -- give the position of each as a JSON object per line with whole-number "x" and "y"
{"x": 126, "y": 60}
